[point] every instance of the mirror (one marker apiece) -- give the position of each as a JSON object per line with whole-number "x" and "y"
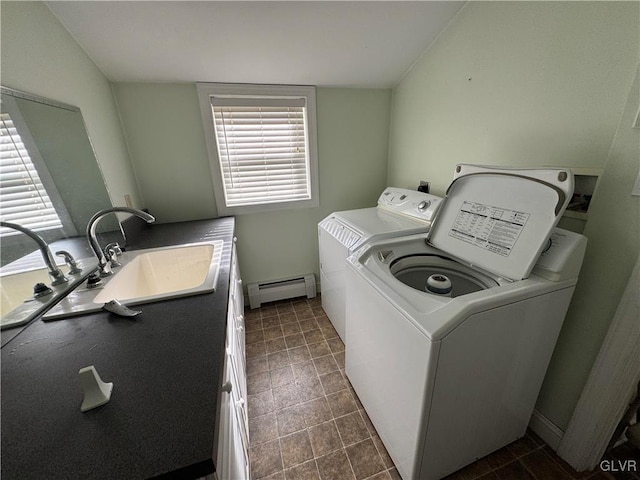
{"x": 45, "y": 144}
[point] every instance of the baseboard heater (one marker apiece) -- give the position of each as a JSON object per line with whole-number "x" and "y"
{"x": 260, "y": 293}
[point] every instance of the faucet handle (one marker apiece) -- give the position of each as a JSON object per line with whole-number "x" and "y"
{"x": 115, "y": 246}
{"x": 70, "y": 261}
{"x": 111, "y": 252}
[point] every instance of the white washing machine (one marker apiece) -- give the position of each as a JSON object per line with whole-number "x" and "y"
{"x": 449, "y": 334}
{"x": 399, "y": 212}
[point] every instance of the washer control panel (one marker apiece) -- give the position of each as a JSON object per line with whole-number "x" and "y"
{"x": 418, "y": 205}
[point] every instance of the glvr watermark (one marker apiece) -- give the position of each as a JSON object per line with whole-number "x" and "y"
{"x": 619, "y": 465}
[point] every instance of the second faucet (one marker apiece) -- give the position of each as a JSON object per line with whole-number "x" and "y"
{"x": 104, "y": 265}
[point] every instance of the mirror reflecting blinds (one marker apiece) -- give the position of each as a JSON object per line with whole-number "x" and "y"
{"x": 23, "y": 198}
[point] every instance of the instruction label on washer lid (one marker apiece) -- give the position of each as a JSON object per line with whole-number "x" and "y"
{"x": 490, "y": 228}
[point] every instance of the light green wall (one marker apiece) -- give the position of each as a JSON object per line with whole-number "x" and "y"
{"x": 39, "y": 56}
{"x": 613, "y": 230}
{"x": 536, "y": 83}
{"x": 164, "y": 132}
{"x": 515, "y": 83}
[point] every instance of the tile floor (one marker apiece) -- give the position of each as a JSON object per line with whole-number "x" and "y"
{"x": 306, "y": 422}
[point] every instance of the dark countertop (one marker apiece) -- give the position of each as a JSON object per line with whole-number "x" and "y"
{"x": 166, "y": 367}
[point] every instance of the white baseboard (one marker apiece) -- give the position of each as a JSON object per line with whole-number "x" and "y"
{"x": 546, "y": 430}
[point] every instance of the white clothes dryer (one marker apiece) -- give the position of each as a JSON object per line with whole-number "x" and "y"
{"x": 399, "y": 212}
{"x": 449, "y": 334}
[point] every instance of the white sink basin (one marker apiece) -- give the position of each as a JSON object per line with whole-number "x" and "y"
{"x": 163, "y": 273}
{"x": 17, "y": 287}
{"x": 149, "y": 275}
{"x": 17, "y": 303}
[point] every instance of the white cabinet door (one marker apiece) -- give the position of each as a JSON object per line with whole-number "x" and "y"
{"x": 240, "y": 465}
{"x": 235, "y": 285}
{"x": 239, "y": 359}
{"x": 240, "y": 365}
{"x": 233, "y": 451}
{"x": 238, "y": 298}
{"x": 226, "y": 444}
{"x": 241, "y": 433}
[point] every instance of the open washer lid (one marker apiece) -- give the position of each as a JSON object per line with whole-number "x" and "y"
{"x": 500, "y": 219}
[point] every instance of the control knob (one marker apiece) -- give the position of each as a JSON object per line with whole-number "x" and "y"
{"x": 423, "y": 205}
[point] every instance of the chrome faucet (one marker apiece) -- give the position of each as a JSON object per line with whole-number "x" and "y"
{"x": 55, "y": 273}
{"x": 104, "y": 265}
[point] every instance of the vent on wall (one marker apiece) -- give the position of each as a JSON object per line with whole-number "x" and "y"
{"x": 260, "y": 293}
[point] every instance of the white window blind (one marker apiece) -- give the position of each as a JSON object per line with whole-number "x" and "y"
{"x": 23, "y": 198}
{"x": 262, "y": 149}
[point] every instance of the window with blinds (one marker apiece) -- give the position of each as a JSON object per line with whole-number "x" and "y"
{"x": 262, "y": 151}
{"x": 23, "y": 198}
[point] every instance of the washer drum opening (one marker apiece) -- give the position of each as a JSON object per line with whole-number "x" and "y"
{"x": 414, "y": 270}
